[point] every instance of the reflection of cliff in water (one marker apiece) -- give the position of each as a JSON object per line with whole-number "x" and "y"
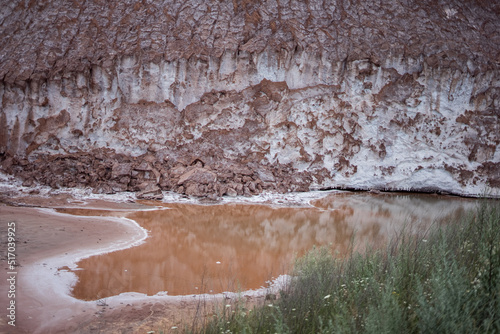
{"x": 195, "y": 248}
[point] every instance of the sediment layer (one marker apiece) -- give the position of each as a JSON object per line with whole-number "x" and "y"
{"x": 238, "y": 97}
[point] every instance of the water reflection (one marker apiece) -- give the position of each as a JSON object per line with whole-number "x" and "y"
{"x": 217, "y": 248}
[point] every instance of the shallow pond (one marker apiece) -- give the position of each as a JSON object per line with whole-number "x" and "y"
{"x": 196, "y": 249}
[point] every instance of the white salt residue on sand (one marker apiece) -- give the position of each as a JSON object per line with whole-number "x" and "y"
{"x": 293, "y": 199}
{"x": 273, "y": 288}
{"x": 50, "y": 288}
{"x": 300, "y": 199}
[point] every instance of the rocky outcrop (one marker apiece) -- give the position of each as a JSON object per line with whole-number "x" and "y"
{"x": 236, "y": 97}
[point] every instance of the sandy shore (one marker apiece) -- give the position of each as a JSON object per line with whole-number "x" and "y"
{"x": 47, "y": 240}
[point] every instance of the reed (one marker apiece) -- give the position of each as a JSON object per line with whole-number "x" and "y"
{"x": 445, "y": 280}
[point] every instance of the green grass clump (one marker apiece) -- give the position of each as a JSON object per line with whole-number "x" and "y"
{"x": 446, "y": 281}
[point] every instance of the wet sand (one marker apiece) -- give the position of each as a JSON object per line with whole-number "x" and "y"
{"x": 45, "y": 241}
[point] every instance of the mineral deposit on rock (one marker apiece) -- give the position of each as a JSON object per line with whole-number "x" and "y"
{"x": 213, "y": 98}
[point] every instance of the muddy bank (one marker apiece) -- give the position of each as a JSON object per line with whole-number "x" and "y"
{"x": 48, "y": 242}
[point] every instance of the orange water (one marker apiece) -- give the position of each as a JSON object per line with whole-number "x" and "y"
{"x": 196, "y": 249}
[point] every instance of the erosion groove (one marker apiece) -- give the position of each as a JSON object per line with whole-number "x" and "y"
{"x": 235, "y": 97}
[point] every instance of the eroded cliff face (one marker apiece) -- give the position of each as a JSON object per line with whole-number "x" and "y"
{"x": 236, "y": 97}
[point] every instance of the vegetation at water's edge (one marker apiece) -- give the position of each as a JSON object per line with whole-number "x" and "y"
{"x": 447, "y": 281}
